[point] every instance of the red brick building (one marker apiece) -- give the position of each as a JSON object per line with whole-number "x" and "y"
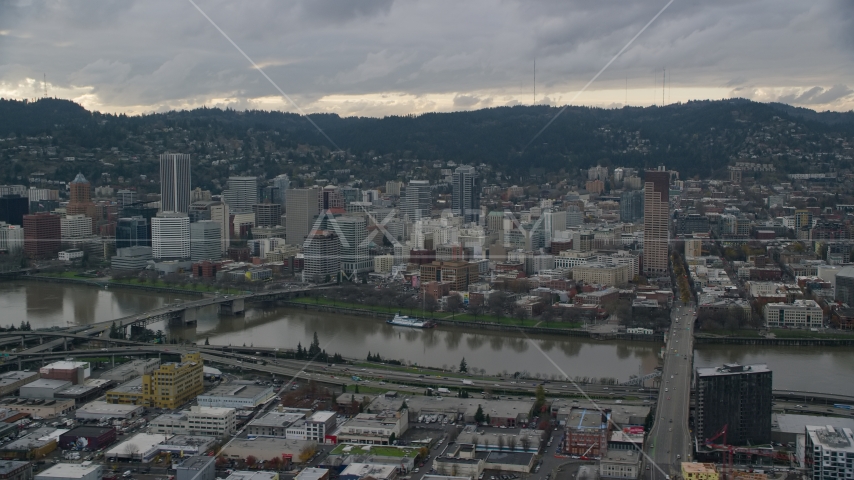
{"x": 42, "y": 235}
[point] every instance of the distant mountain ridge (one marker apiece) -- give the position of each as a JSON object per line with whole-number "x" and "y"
{"x": 698, "y": 137}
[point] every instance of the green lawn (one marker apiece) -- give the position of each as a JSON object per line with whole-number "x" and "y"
{"x": 744, "y": 333}
{"x": 786, "y": 333}
{"x": 460, "y": 317}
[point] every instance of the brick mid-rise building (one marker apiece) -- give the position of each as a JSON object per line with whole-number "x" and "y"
{"x": 42, "y": 235}
{"x": 459, "y": 274}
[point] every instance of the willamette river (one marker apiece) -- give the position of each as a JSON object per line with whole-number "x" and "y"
{"x": 47, "y": 304}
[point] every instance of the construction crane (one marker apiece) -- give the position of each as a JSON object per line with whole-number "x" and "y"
{"x": 729, "y": 451}
{"x": 584, "y": 455}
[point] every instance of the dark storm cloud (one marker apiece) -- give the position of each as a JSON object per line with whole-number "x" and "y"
{"x": 159, "y": 54}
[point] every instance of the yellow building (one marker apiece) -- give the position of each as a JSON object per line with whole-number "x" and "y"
{"x": 699, "y": 471}
{"x": 170, "y": 386}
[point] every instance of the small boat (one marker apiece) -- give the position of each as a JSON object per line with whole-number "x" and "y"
{"x": 405, "y": 321}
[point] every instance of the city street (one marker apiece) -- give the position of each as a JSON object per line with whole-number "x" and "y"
{"x": 669, "y": 442}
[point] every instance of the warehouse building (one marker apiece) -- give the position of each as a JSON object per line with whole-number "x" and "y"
{"x": 357, "y": 471}
{"x": 79, "y": 393}
{"x": 103, "y": 411}
{"x": 187, "y": 445}
{"x": 74, "y": 372}
{"x": 71, "y": 471}
{"x": 34, "y": 446}
{"x": 273, "y": 424}
{"x": 265, "y": 448}
{"x": 130, "y": 370}
{"x": 141, "y": 447}
{"x": 38, "y": 407}
{"x": 198, "y": 467}
{"x": 10, "y": 382}
{"x": 44, "y": 388}
{"x": 14, "y": 470}
{"x": 89, "y": 437}
{"x": 245, "y": 395}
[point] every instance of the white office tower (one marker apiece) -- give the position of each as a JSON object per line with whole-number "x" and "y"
{"x": 174, "y": 183}
{"x": 242, "y": 193}
{"x": 302, "y": 209}
{"x": 74, "y": 227}
{"x": 170, "y": 236}
{"x": 465, "y": 200}
{"x": 11, "y": 238}
{"x": 354, "y": 248}
{"x": 282, "y": 183}
{"x": 829, "y": 452}
{"x": 322, "y": 253}
{"x": 205, "y": 241}
{"x": 417, "y": 200}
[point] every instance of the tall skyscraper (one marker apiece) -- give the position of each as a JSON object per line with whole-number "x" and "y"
{"x": 205, "y": 241}
{"x": 282, "y": 183}
{"x": 174, "y": 182}
{"x": 465, "y": 200}
{"x": 354, "y": 249}
{"x": 267, "y": 214}
{"x": 322, "y": 253}
{"x": 631, "y": 206}
{"x": 738, "y": 397}
{"x": 80, "y": 200}
{"x": 417, "y": 200}
{"x": 242, "y": 193}
{"x": 170, "y": 236}
{"x": 221, "y": 215}
{"x": 13, "y": 208}
{"x": 132, "y": 232}
{"x": 126, "y": 197}
{"x": 656, "y": 222}
{"x": 302, "y": 206}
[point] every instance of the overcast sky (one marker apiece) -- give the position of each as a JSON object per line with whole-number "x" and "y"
{"x": 382, "y": 57}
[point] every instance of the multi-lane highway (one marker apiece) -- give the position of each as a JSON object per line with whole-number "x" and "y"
{"x": 669, "y": 442}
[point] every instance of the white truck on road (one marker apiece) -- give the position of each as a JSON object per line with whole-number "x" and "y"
{"x": 468, "y": 382}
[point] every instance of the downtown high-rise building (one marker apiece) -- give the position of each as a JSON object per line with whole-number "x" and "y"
{"x": 174, "y": 182}
{"x": 417, "y": 200}
{"x": 465, "y": 200}
{"x": 281, "y": 183}
{"x": 737, "y": 397}
{"x": 656, "y": 222}
{"x": 242, "y": 194}
{"x": 302, "y": 209}
{"x": 353, "y": 231}
{"x": 631, "y": 206}
{"x": 205, "y": 241}
{"x": 132, "y": 232}
{"x": 170, "y": 236}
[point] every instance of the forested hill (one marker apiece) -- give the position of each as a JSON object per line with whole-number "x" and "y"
{"x": 697, "y": 138}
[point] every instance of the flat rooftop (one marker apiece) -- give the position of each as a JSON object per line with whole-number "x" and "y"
{"x": 129, "y": 368}
{"x": 312, "y": 473}
{"x": 797, "y": 424}
{"x": 77, "y": 390}
{"x": 88, "y": 431}
{"x": 68, "y": 470}
{"x": 585, "y": 418}
{"x": 694, "y": 467}
{"x": 16, "y": 376}
{"x": 732, "y": 369}
{"x": 246, "y": 390}
{"x": 277, "y": 419}
{"x": 196, "y": 462}
{"x": 48, "y": 383}
{"x": 510, "y": 458}
{"x": 837, "y": 439}
{"x": 626, "y": 457}
{"x": 65, "y": 365}
{"x": 103, "y": 408}
{"x": 131, "y": 386}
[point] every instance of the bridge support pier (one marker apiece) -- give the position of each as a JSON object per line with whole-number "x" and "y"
{"x": 234, "y": 307}
{"x": 65, "y": 343}
{"x": 188, "y": 315}
{"x": 113, "y": 360}
{"x": 136, "y": 330}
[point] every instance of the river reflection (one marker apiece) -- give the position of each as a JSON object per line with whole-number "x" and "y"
{"x": 49, "y": 304}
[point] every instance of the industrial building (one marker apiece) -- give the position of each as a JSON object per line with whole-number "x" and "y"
{"x": 141, "y": 447}
{"x": 130, "y": 370}
{"x": 373, "y": 428}
{"x": 35, "y": 445}
{"x": 737, "y": 397}
{"x": 187, "y": 445}
{"x": 236, "y": 395}
{"x": 74, "y": 372}
{"x": 71, "y": 471}
{"x": 357, "y": 471}
{"x": 265, "y": 447}
{"x": 15, "y": 470}
{"x": 10, "y": 382}
{"x": 38, "y": 407}
{"x": 176, "y": 384}
{"x": 273, "y": 424}
{"x": 43, "y": 388}
{"x": 199, "y": 467}
{"x": 102, "y": 411}
{"x": 89, "y": 437}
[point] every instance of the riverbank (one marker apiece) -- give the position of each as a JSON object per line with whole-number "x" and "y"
{"x": 469, "y": 321}
{"x": 780, "y": 342}
{"x": 159, "y": 286}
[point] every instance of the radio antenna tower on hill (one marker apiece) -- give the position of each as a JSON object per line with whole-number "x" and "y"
{"x": 44, "y": 83}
